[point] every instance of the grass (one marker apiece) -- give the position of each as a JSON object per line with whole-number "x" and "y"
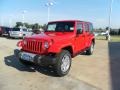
{"x": 113, "y": 38}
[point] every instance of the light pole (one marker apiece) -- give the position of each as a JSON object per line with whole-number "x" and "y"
{"x": 109, "y": 21}
{"x": 23, "y": 18}
{"x": 48, "y": 4}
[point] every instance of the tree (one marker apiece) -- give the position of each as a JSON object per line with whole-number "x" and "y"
{"x": 18, "y": 24}
{"x": 36, "y": 26}
{"x": 44, "y": 27}
{"x": 33, "y": 26}
{"x": 100, "y": 29}
{"x": 27, "y": 25}
{"x": 119, "y": 31}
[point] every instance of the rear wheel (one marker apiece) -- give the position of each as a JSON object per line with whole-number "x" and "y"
{"x": 90, "y": 50}
{"x": 63, "y": 63}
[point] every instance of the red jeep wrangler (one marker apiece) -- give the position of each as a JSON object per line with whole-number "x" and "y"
{"x": 61, "y": 41}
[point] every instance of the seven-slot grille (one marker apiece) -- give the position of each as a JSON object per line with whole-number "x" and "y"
{"x": 33, "y": 46}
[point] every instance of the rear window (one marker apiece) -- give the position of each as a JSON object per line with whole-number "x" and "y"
{"x": 16, "y": 29}
{"x": 25, "y": 30}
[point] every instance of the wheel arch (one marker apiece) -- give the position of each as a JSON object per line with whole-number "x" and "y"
{"x": 69, "y": 48}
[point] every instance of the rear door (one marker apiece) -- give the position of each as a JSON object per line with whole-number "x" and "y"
{"x": 87, "y": 35}
{"x": 80, "y": 38}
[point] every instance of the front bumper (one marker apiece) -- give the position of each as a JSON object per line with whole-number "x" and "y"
{"x": 42, "y": 60}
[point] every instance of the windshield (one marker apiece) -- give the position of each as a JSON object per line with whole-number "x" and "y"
{"x": 16, "y": 29}
{"x": 61, "y": 26}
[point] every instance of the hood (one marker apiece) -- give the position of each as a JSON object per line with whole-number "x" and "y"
{"x": 56, "y": 36}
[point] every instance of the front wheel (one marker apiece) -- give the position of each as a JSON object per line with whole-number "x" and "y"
{"x": 63, "y": 63}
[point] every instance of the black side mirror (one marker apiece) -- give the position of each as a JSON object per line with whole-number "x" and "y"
{"x": 79, "y": 31}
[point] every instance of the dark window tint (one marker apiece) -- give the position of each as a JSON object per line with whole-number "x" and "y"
{"x": 16, "y": 29}
{"x": 5, "y": 29}
{"x": 25, "y": 30}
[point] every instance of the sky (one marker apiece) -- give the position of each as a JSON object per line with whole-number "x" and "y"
{"x": 95, "y": 11}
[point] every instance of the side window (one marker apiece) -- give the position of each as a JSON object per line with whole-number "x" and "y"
{"x": 25, "y": 30}
{"x": 86, "y": 27}
{"x": 91, "y": 28}
{"x": 79, "y": 26}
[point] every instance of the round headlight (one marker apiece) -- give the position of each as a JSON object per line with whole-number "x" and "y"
{"x": 46, "y": 45}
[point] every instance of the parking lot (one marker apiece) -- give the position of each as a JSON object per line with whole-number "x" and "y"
{"x": 97, "y": 72}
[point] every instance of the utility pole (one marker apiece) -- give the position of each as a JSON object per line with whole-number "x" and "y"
{"x": 109, "y": 21}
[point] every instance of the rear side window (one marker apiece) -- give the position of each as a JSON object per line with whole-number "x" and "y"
{"x": 86, "y": 27}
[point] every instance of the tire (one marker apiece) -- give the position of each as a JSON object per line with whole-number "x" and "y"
{"x": 26, "y": 63}
{"x": 62, "y": 67}
{"x": 90, "y": 50}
